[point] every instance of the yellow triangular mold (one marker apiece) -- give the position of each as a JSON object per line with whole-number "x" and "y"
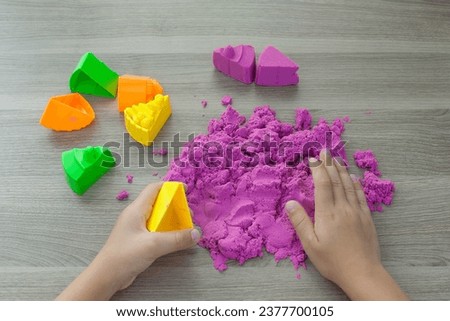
{"x": 144, "y": 121}
{"x": 170, "y": 211}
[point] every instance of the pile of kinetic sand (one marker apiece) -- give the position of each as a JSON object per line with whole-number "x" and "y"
{"x": 241, "y": 174}
{"x": 377, "y": 190}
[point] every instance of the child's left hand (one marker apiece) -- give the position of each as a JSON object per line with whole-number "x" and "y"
{"x": 129, "y": 250}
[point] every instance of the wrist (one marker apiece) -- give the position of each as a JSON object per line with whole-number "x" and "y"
{"x": 113, "y": 271}
{"x": 96, "y": 282}
{"x": 103, "y": 274}
{"x": 372, "y": 283}
{"x": 360, "y": 275}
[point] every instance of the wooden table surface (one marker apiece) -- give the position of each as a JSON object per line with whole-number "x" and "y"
{"x": 390, "y": 57}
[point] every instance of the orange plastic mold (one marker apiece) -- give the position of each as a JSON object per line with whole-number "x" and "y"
{"x": 133, "y": 90}
{"x": 67, "y": 113}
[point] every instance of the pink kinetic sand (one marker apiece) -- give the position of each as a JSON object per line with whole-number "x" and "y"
{"x": 161, "y": 151}
{"x": 204, "y": 103}
{"x": 275, "y": 69}
{"x": 226, "y": 100}
{"x": 377, "y": 191}
{"x": 241, "y": 174}
{"x": 366, "y": 159}
{"x": 130, "y": 178}
{"x": 123, "y": 195}
{"x": 236, "y": 62}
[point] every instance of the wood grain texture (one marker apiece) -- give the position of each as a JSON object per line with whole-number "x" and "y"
{"x": 388, "y": 57}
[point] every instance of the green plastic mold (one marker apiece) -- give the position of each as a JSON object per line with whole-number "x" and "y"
{"x": 85, "y": 166}
{"x": 93, "y": 77}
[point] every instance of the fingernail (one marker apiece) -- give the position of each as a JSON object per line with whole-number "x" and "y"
{"x": 312, "y": 160}
{"x": 291, "y": 206}
{"x": 195, "y": 234}
{"x": 353, "y": 177}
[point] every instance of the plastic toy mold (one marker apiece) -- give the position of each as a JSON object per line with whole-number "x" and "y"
{"x": 170, "y": 211}
{"x": 144, "y": 121}
{"x": 136, "y": 89}
{"x": 84, "y": 166}
{"x": 91, "y": 76}
{"x": 67, "y": 113}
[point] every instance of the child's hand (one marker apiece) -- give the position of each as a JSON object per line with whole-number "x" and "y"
{"x": 129, "y": 250}
{"x": 342, "y": 243}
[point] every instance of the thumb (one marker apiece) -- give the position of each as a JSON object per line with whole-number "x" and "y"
{"x": 301, "y": 222}
{"x": 168, "y": 242}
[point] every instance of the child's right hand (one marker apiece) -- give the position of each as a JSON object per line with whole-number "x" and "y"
{"x": 342, "y": 243}
{"x": 129, "y": 250}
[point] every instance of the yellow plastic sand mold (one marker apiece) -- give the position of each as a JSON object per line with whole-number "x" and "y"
{"x": 144, "y": 121}
{"x": 170, "y": 211}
